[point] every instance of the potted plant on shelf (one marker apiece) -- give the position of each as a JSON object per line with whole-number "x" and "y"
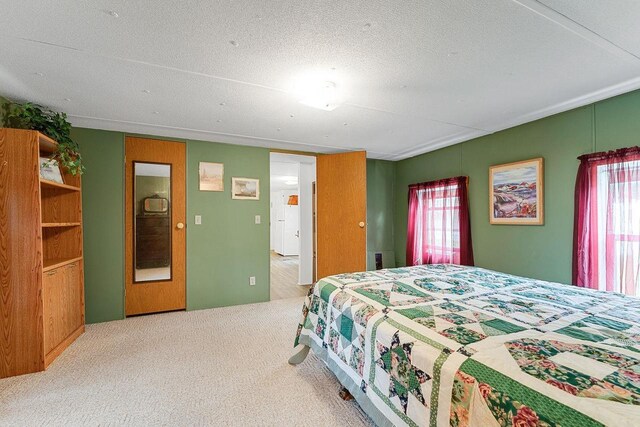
{"x": 51, "y": 123}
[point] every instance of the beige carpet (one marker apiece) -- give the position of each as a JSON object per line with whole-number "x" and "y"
{"x": 223, "y": 366}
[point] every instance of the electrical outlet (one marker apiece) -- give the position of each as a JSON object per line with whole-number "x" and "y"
{"x": 258, "y": 219}
{"x": 198, "y": 219}
{"x": 252, "y": 281}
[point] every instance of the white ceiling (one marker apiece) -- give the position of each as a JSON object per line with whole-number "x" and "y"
{"x": 415, "y": 75}
{"x": 284, "y": 168}
{"x": 282, "y": 174}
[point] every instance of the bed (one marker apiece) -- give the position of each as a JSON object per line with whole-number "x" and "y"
{"x": 447, "y": 345}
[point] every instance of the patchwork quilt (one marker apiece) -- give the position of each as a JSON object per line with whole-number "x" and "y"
{"x": 440, "y": 345}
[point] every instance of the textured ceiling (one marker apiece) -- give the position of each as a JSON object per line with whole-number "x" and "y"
{"x": 414, "y": 75}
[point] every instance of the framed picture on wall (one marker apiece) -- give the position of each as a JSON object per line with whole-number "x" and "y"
{"x": 245, "y": 188}
{"x": 516, "y": 193}
{"x": 211, "y": 176}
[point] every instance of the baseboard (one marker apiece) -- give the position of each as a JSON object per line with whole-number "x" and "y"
{"x": 53, "y": 354}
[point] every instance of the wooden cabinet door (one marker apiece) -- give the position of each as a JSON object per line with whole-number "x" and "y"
{"x": 55, "y": 301}
{"x": 341, "y": 192}
{"x": 74, "y": 303}
{"x": 63, "y": 304}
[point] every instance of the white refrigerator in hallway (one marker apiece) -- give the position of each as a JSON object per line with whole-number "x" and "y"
{"x": 287, "y": 230}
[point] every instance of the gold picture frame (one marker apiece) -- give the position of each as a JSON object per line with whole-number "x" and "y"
{"x": 516, "y": 193}
{"x": 211, "y": 176}
{"x": 245, "y": 188}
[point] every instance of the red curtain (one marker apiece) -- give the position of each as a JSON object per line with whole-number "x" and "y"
{"x": 439, "y": 229}
{"x": 606, "y": 236}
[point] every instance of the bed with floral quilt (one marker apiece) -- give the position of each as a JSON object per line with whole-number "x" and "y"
{"x": 446, "y": 345}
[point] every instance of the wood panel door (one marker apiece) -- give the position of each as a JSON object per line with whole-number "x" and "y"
{"x": 155, "y": 193}
{"x": 341, "y": 185}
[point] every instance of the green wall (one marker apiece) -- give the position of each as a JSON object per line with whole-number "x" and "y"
{"x": 225, "y": 250}
{"x": 228, "y": 247}
{"x": 542, "y": 252}
{"x": 103, "y": 225}
{"x": 380, "y": 192}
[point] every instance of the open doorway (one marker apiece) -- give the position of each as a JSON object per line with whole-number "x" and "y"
{"x": 292, "y": 224}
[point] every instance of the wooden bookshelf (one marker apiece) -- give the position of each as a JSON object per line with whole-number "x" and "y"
{"x": 60, "y": 224}
{"x": 54, "y": 263}
{"x": 42, "y": 309}
{"x": 46, "y": 145}
{"x": 50, "y": 184}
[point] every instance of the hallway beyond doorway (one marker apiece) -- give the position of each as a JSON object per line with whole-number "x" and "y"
{"x": 284, "y": 277}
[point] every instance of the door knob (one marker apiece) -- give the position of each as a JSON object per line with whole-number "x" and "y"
{"x": 361, "y": 224}
{"x": 180, "y": 226}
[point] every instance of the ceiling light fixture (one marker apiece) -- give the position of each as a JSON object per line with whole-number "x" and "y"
{"x": 322, "y": 88}
{"x": 322, "y": 94}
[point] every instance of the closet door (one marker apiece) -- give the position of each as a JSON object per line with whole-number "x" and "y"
{"x": 155, "y": 216}
{"x": 341, "y": 186}
{"x": 291, "y": 230}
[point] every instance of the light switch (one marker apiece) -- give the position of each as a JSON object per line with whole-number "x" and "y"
{"x": 198, "y": 219}
{"x": 252, "y": 281}
{"x": 258, "y": 219}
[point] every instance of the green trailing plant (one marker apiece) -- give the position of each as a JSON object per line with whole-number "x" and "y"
{"x": 51, "y": 123}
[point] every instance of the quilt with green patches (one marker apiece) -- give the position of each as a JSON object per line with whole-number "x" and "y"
{"x": 446, "y": 345}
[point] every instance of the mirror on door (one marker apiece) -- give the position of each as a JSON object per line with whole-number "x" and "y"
{"x": 152, "y": 222}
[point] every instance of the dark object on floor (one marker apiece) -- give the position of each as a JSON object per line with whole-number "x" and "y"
{"x": 345, "y": 395}
{"x": 378, "y": 261}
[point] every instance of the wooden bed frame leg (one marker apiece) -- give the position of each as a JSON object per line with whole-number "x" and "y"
{"x": 300, "y": 355}
{"x": 345, "y": 395}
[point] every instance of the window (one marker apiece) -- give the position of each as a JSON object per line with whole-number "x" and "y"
{"x": 438, "y": 227}
{"x": 607, "y": 230}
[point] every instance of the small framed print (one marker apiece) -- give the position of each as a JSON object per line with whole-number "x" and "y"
{"x": 516, "y": 193}
{"x": 245, "y": 189}
{"x": 50, "y": 170}
{"x": 211, "y": 176}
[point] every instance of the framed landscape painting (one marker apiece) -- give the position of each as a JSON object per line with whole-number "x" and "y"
{"x": 211, "y": 176}
{"x": 245, "y": 189}
{"x": 516, "y": 193}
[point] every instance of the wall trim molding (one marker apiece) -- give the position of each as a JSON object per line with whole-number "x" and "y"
{"x": 203, "y": 135}
{"x": 562, "y": 107}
